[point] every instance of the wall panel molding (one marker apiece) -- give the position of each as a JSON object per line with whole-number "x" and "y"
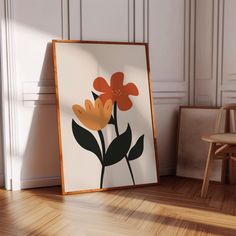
{"x": 206, "y": 51}
{"x": 10, "y": 97}
{"x": 131, "y": 21}
{"x": 75, "y": 21}
{"x": 139, "y": 20}
{"x": 227, "y": 51}
{"x": 229, "y": 86}
{"x": 204, "y": 39}
{"x": 229, "y": 38}
{"x": 168, "y": 52}
{"x": 146, "y": 20}
{"x": 228, "y": 97}
{"x": 168, "y": 87}
{"x": 169, "y": 95}
{"x": 65, "y": 18}
{"x": 39, "y": 93}
{"x": 170, "y": 100}
{"x": 191, "y": 56}
{"x": 220, "y": 52}
{"x": 106, "y": 20}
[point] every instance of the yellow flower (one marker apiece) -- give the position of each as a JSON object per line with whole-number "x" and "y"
{"x": 94, "y": 117}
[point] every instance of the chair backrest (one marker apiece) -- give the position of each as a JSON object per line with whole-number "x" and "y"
{"x": 227, "y": 108}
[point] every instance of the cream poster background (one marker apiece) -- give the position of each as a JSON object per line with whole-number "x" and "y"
{"x": 78, "y": 65}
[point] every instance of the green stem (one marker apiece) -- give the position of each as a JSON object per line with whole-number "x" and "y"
{"x": 102, "y": 175}
{"x": 117, "y": 134}
{"x": 103, "y": 155}
{"x": 130, "y": 169}
{"x": 102, "y": 142}
{"x": 115, "y": 118}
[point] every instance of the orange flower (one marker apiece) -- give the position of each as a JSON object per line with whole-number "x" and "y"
{"x": 94, "y": 117}
{"x": 116, "y": 91}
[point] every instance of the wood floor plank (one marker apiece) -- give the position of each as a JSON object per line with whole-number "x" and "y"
{"x": 172, "y": 208}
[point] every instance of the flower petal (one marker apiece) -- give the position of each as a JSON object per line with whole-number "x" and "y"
{"x": 106, "y": 96}
{"x": 98, "y": 105}
{"x": 108, "y": 108}
{"x": 131, "y": 89}
{"x": 89, "y": 105}
{"x": 124, "y": 103}
{"x": 100, "y": 84}
{"x": 94, "y": 117}
{"x": 78, "y": 110}
{"x": 117, "y": 80}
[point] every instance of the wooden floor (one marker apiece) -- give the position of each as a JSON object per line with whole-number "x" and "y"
{"x": 172, "y": 208}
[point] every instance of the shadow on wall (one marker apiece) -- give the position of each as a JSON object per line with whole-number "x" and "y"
{"x": 34, "y": 28}
{"x": 1, "y": 139}
{"x": 40, "y": 162}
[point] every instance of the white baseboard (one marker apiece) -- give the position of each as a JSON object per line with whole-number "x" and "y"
{"x": 40, "y": 182}
{"x": 55, "y": 181}
{"x": 1, "y": 180}
{"x": 167, "y": 171}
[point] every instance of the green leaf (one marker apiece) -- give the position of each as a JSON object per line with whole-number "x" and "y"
{"x": 112, "y": 120}
{"x": 95, "y": 96}
{"x": 137, "y": 150}
{"x": 118, "y": 148}
{"x": 86, "y": 140}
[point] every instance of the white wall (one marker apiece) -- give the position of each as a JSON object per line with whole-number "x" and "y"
{"x": 192, "y": 62}
{"x": 1, "y": 134}
{"x": 215, "y": 67}
{"x": 38, "y": 147}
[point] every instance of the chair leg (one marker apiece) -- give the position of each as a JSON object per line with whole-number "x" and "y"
{"x": 223, "y": 171}
{"x": 206, "y": 178}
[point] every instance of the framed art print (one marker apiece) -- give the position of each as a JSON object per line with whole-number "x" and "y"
{"x": 105, "y": 115}
{"x": 194, "y": 122}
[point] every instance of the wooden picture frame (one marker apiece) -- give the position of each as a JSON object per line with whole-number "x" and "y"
{"x": 191, "y": 160}
{"x": 60, "y": 57}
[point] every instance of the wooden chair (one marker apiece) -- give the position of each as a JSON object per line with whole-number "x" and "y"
{"x": 222, "y": 145}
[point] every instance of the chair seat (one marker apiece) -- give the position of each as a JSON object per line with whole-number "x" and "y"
{"x": 225, "y": 138}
